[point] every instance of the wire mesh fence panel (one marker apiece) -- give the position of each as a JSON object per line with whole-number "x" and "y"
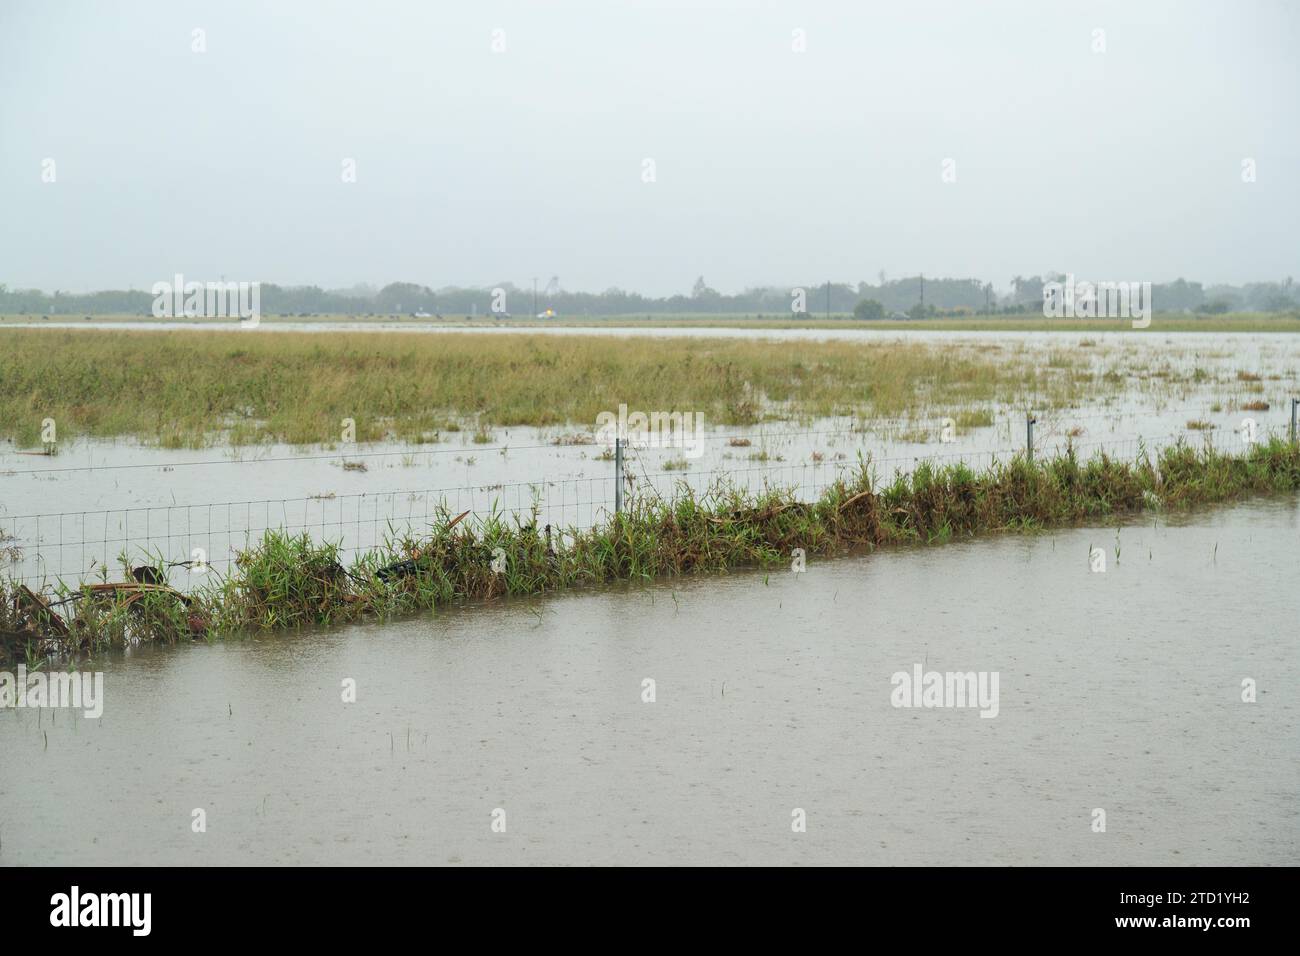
{"x": 809, "y": 479}
{"x": 43, "y": 548}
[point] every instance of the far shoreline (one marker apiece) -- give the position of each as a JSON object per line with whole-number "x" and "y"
{"x": 1253, "y": 322}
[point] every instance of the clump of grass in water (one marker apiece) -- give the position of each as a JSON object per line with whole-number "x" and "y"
{"x": 974, "y": 418}
{"x": 291, "y": 581}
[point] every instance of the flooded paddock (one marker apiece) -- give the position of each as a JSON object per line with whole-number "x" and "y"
{"x": 72, "y": 515}
{"x": 1119, "y": 691}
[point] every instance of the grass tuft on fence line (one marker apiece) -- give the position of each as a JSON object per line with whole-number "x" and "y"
{"x": 288, "y": 581}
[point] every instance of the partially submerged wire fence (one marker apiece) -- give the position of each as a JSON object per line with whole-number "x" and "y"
{"x": 39, "y": 549}
{"x": 809, "y": 479}
{"x": 80, "y": 545}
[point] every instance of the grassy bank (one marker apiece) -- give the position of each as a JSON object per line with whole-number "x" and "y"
{"x": 187, "y": 389}
{"x": 286, "y": 582}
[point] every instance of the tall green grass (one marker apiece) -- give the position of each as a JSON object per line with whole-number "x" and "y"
{"x": 191, "y": 388}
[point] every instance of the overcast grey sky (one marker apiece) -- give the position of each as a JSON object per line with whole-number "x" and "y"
{"x": 771, "y": 166}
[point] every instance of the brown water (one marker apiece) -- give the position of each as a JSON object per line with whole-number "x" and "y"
{"x": 1119, "y": 691}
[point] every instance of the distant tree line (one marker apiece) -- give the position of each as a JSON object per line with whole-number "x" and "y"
{"x": 1177, "y": 296}
{"x": 913, "y": 296}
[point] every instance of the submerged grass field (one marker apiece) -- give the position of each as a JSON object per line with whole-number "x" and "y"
{"x": 287, "y": 582}
{"x": 188, "y": 389}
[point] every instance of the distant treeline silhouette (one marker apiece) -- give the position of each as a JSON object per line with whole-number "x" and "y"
{"x": 914, "y": 295}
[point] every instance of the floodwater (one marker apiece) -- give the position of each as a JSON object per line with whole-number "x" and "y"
{"x": 1118, "y": 691}
{"x": 1150, "y": 336}
{"x": 74, "y": 513}
{"x": 71, "y": 515}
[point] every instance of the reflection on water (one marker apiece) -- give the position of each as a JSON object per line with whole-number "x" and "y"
{"x": 1119, "y": 691}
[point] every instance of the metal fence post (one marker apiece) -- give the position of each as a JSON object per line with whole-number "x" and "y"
{"x": 618, "y": 476}
{"x": 1030, "y": 422}
{"x": 1294, "y": 403}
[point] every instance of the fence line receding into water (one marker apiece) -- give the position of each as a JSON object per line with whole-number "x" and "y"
{"x": 189, "y": 540}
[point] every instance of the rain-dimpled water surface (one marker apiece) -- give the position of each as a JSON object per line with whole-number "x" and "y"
{"x": 1119, "y": 691}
